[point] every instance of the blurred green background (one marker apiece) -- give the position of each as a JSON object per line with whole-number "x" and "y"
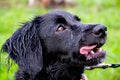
{"x": 107, "y": 12}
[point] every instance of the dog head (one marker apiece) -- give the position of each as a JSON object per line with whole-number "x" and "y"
{"x": 56, "y": 36}
{"x": 65, "y": 36}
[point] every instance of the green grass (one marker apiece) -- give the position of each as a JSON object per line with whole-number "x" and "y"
{"x": 96, "y": 11}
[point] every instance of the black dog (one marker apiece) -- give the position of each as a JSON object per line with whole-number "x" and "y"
{"x": 56, "y": 46}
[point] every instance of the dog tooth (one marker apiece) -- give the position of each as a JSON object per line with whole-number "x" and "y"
{"x": 92, "y": 52}
{"x": 89, "y": 57}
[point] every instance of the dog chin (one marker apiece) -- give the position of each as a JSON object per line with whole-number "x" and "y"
{"x": 96, "y": 60}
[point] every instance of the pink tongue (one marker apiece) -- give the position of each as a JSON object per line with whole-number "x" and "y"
{"x": 86, "y": 49}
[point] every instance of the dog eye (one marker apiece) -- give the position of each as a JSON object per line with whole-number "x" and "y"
{"x": 61, "y": 27}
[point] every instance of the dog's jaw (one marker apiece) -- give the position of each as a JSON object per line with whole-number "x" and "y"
{"x": 92, "y": 52}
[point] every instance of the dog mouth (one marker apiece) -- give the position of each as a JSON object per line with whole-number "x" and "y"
{"x": 90, "y": 51}
{"x": 93, "y": 54}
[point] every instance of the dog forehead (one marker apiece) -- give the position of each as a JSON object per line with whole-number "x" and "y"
{"x": 60, "y": 13}
{"x": 57, "y": 14}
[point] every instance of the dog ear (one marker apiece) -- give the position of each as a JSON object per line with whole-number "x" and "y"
{"x": 24, "y": 47}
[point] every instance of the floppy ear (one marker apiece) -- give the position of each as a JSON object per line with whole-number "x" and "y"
{"x": 24, "y": 47}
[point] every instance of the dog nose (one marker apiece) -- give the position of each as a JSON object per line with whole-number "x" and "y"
{"x": 99, "y": 30}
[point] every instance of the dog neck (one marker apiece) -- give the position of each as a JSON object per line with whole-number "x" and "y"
{"x": 57, "y": 70}
{"x": 63, "y": 71}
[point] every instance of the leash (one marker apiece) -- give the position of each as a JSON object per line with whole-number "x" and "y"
{"x": 102, "y": 66}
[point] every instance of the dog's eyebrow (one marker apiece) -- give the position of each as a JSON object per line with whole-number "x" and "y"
{"x": 77, "y": 18}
